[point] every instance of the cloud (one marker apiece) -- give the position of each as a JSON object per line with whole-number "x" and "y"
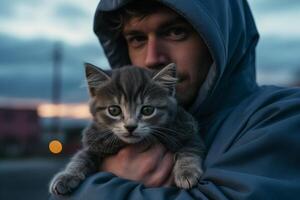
{"x": 70, "y": 11}
{"x": 279, "y": 53}
{"x": 8, "y": 8}
{"x": 17, "y": 51}
{"x": 276, "y": 17}
{"x": 26, "y": 68}
{"x": 70, "y": 20}
{"x": 264, "y": 6}
{"x": 278, "y": 60}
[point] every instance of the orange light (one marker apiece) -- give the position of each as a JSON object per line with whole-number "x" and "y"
{"x": 55, "y": 146}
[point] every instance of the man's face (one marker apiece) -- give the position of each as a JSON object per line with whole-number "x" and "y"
{"x": 164, "y": 37}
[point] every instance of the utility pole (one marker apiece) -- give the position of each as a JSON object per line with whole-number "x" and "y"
{"x": 56, "y": 84}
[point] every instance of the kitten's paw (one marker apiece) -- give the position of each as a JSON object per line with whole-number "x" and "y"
{"x": 187, "y": 177}
{"x": 63, "y": 183}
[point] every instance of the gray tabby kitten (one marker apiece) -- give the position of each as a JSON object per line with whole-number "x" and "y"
{"x": 134, "y": 105}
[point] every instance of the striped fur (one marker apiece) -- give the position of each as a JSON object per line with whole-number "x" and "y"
{"x": 130, "y": 89}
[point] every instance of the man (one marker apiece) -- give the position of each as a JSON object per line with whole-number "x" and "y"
{"x": 252, "y": 133}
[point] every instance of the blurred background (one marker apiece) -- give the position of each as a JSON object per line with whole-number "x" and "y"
{"x": 43, "y": 45}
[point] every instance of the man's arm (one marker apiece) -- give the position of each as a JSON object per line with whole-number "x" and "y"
{"x": 261, "y": 163}
{"x": 265, "y": 168}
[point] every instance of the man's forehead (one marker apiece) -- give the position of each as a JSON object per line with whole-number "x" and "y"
{"x": 158, "y": 19}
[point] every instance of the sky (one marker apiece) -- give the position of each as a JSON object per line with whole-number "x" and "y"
{"x": 30, "y": 29}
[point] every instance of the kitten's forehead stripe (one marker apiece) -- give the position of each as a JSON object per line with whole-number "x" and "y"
{"x": 131, "y": 83}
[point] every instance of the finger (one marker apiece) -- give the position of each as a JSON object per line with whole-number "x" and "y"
{"x": 153, "y": 157}
{"x": 135, "y": 164}
{"x": 155, "y": 149}
{"x": 170, "y": 181}
{"x": 162, "y": 173}
{"x": 148, "y": 162}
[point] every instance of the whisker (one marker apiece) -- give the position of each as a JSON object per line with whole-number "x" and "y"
{"x": 169, "y": 131}
{"x": 166, "y": 138}
{"x": 112, "y": 142}
{"x": 101, "y": 136}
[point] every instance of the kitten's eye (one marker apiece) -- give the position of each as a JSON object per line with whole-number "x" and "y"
{"x": 114, "y": 111}
{"x": 147, "y": 110}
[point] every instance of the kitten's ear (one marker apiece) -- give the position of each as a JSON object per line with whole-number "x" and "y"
{"x": 167, "y": 78}
{"x": 95, "y": 77}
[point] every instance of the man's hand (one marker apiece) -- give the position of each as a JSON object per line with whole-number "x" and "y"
{"x": 152, "y": 166}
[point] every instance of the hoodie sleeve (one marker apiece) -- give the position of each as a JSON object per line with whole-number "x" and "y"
{"x": 107, "y": 186}
{"x": 259, "y": 161}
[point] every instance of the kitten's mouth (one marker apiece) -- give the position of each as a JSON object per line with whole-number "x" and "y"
{"x": 132, "y": 139}
{"x": 131, "y": 136}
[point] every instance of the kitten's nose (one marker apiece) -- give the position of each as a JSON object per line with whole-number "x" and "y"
{"x": 130, "y": 127}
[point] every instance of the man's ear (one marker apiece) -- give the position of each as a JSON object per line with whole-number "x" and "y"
{"x": 95, "y": 77}
{"x": 167, "y": 78}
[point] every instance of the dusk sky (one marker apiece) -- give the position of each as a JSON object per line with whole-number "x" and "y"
{"x": 30, "y": 28}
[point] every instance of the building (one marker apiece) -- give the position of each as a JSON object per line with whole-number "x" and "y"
{"x": 20, "y": 130}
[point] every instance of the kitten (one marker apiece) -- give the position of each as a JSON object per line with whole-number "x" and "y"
{"x": 130, "y": 106}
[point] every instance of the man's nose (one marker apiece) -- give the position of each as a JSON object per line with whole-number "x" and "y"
{"x": 156, "y": 56}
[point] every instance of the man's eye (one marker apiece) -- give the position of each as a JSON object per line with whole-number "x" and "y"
{"x": 136, "y": 41}
{"x": 177, "y": 33}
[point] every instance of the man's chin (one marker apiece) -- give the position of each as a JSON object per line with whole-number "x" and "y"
{"x": 184, "y": 98}
{"x": 182, "y": 101}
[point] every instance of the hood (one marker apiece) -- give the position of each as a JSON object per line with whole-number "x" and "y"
{"x": 229, "y": 31}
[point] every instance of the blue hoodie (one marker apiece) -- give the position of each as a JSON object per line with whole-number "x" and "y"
{"x": 252, "y": 133}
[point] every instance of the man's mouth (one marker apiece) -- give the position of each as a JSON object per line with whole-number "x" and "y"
{"x": 180, "y": 79}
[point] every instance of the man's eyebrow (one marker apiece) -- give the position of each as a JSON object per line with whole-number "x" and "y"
{"x": 166, "y": 24}
{"x": 131, "y": 32}
{"x": 174, "y": 21}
